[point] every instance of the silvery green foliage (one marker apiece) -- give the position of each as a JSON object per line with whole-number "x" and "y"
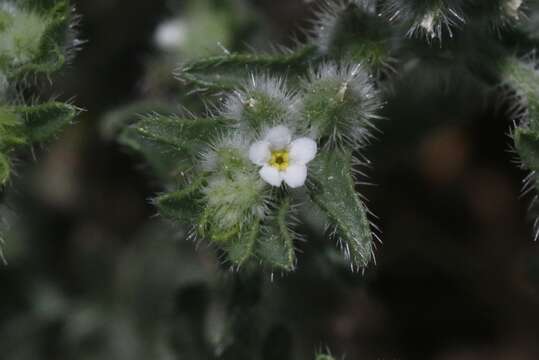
{"x": 36, "y": 39}
{"x": 522, "y": 77}
{"x": 435, "y": 20}
{"x": 223, "y": 192}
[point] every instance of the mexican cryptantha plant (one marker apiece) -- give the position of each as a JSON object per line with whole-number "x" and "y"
{"x": 316, "y": 93}
{"x": 36, "y": 40}
{"x": 244, "y": 173}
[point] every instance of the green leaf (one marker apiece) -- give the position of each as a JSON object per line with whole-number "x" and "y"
{"x": 227, "y": 72}
{"x": 181, "y": 205}
{"x": 117, "y": 125}
{"x": 171, "y": 143}
{"x": 11, "y": 130}
{"x": 5, "y": 169}
{"x": 332, "y": 189}
{"x": 241, "y": 248}
{"x": 276, "y": 247}
{"x": 527, "y": 146}
{"x": 46, "y": 120}
{"x": 178, "y": 134}
{"x": 524, "y": 78}
{"x": 118, "y": 120}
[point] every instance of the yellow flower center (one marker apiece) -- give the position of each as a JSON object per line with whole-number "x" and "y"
{"x": 279, "y": 160}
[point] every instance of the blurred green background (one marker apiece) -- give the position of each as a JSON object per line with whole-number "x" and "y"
{"x": 93, "y": 274}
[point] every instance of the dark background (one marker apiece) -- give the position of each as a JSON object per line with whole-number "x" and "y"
{"x": 91, "y": 270}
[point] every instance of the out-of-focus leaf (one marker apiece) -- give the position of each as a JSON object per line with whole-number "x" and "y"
{"x": 5, "y": 169}
{"x": 527, "y": 145}
{"x": 43, "y": 121}
{"x": 11, "y": 131}
{"x": 171, "y": 144}
{"x": 180, "y": 205}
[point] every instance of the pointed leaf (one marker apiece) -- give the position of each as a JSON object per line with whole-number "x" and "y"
{"x": 332, "y": 189}
{"x": 5, "y": 169}
{"x": 241, "y": 248}
{"x": 180, "y": 205}
{"x": 227, "y": 72}
{"x": 177, "y": 133}
{"x": 276, "y": 247}
{"x": 46, "y": 120}
{"x": 11, "y": 129}
{"x": 171, "y": 143}
{"x": 527, "y": 145}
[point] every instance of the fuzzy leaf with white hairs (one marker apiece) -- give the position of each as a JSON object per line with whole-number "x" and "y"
{"x": 171, "y": 143}
{"x": 276, "y": 248}
{"x": 227, "y": 72}
{"x": 46, "y": 120}
{"x": 332, "y": 188}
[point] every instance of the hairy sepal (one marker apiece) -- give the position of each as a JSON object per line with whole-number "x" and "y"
{"x": 263, "y": 101}
{"x": 340, "y": 105}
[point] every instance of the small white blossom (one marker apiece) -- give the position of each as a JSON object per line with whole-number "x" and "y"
{"x": 512, "y": 7}
{"x": 281, "y": 158}
{"x": 171, "y": 35}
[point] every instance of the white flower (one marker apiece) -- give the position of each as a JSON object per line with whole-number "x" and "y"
{"x": 281, "y": 158}
{"x": 171, "y": 35}
{"x": 512, "y": 7}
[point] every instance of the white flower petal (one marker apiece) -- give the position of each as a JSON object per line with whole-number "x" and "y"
{"x": 302, "y": 151}
{"x": 271, "y": 175}
{"x": 279, "y": 137}
{"x": 171, "y": 35}
{"x": 259, "y": 153}
{"x": 295, "y": 175}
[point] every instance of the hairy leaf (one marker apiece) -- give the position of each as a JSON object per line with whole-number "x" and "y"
{"x": 241, "y": 248}
{"x": 171, "y": 143}
{"x": 5, "y": 169}
{"x": 180, "y": 205}
{"x": 178, "y": 134}
{"x": 43, "y": 121}
{"x": 332, "y": 189}
{"x": 11, "y": 130}
{"x": 276, "y": 247}
{"x": 527, "y": 145}
{"x": 227, "y": 72}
